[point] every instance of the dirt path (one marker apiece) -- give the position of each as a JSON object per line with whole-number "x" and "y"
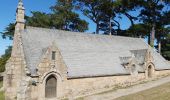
{"x": 122, "y": 92}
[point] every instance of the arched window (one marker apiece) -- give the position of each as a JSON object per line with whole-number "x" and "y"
{"x": 51, "y": 87}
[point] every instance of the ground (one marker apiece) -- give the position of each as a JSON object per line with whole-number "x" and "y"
{"x": 157, "y": 93}
{"x": 153, "y": 90}
{"x": 1, "y": 92}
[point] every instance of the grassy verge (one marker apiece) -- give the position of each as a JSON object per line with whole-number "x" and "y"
{"x": 2, "y": 97}
{"x": 157, "y": 93}
{"x": 1, "y": 84}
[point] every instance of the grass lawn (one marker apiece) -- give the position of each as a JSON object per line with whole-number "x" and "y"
{"x": 161, "y": 92}
{"x": 1, "y": 84}
{"x": 2, "y": 97}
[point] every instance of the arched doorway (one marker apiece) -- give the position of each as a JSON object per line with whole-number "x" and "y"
{"x": 150, "y": 71}
{"x": 51, "y": 87}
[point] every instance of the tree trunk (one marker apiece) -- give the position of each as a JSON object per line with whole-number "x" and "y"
{"x": 110, "y": 27}
{"x": 159, "y": 47}
{"x": 97, "y": 28}
{"x": 149, "y": 38}
{"x": 152, "y": 36}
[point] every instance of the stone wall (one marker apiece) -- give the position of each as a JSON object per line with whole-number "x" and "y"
{"x": 162, "y": 73}
{"x": 83, "y": 86}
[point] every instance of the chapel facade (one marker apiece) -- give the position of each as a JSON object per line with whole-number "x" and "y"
{"x": 48, "y": 64}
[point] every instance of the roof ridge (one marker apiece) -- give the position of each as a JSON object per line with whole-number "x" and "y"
{"x": 31, "y": 27}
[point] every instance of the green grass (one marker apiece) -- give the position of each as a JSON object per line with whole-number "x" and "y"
{"x": 2, "y": 96}
{"x": 65, "y": 99}
{"x": 161, "y": 92}
{"x": 80, "y": 98}
{"x": 1, "y": 84}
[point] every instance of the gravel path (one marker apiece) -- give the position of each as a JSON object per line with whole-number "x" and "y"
{"x": 122, "y": 92}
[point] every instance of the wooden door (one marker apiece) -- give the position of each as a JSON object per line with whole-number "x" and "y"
{"x": 50, "y": 87}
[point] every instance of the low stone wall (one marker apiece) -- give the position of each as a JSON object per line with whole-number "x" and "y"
{"x": 84, "y": 86}
{"x": 162, "y": 73}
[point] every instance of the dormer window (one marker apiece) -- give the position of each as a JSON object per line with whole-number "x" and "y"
{"x": 53, "y": 55}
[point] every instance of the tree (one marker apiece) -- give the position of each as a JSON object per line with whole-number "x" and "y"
{"x": 64, "y": 18}
{"x": 39, "y": 19}
{"x": 113, "y": 8}
{"x": 104, "y": 12}
{"x": 166, "y": 47}
{"x": 150, "y": 15}
{"x": 9, "y": 31}
{"x": 108, "y": 15}
{"x": 137, "y": 30}
{"x": 163, "y": 30}
{"x": 91, "y": 9}
{"x": 4, "y": 58}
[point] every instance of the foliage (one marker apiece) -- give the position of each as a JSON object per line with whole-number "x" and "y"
{"x": 137, "y": 30}
{"x": 39, "y": 19}
{"x": 9, "y": 31}
{"x": 64, "y": 18}
{"x": 166, "y": 47}
{"x": 91, "y": 9}
{"x": 114, "y": 12}
{"x": 151, "y": 15}
{"x": 104, "y": 12}
{"x": 4, "y": 58}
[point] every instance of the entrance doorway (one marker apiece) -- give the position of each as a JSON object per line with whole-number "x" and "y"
{"x": 150, "y": 71}
{"x": 51, "y": 87}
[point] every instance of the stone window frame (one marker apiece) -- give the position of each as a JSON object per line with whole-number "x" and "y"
{"x": 53, "y": 55}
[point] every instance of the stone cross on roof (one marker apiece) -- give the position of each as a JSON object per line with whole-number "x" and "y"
{"x": 20, "y": 4}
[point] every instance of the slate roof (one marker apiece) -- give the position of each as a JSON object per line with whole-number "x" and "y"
{"x": 85, "y": 55}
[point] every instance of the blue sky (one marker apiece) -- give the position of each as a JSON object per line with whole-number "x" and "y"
{"x": 8, "y": 9}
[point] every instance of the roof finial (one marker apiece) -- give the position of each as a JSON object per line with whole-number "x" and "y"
{"x": 20, "y": 4}
{"x": 20, "y": 13}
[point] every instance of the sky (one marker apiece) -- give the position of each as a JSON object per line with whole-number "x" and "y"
{"x": 8, "y": 10}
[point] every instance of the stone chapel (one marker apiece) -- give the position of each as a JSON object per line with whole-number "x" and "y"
{"x": 54, "y": 64}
